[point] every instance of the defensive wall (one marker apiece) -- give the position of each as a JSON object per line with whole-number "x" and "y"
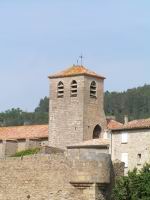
{"x": 58, "y": 176}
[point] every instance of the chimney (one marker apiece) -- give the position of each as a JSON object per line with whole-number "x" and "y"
{"x": 126, "y": 120}
{"x": 111, "y": 117}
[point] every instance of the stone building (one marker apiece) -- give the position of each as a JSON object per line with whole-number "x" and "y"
{"x": 84, "y": 146}
{"x": 77, "y": 117}
{"x": 18, "y": 138}
{"x": 82, "y": 168}
{"x": 130, "y": 142}
{"x": 76, "y": 106}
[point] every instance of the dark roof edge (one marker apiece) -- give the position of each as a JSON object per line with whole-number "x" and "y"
{"x": 89, "y": 146}
{"x": 134, "y": 128}
{"x": 84, "y": 74}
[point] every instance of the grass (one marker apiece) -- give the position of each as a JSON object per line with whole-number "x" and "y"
{"x": 26, "y": 152}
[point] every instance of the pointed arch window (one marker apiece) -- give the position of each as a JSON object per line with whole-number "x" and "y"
{"x": 97, "y": 132}
{"x": 93, "y": 89}
{"x": 74, "y": 89}
{"x": 60, "y": 90}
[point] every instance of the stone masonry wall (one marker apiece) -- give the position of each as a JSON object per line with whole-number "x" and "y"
{"x": 73, "y": 119}
{"x": 56, "y": 177}
{"x": 37, "y": 178}
{"x": 66, "y": 114}
{"x": 134, "y": 146}
{"x": 93, "y": 108}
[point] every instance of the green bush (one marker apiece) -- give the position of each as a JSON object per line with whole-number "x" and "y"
{"x": 135, "y": 186}
{"x": 26, "y": 152}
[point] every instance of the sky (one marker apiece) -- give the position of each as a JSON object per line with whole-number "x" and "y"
{"x": 40, "y": 37}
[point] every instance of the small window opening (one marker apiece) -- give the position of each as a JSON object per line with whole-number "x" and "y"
{"x": 124, "y": 138}
{"x": 60, "y": 90}
{"x": 97, "y": 132}
{"x": 93, "y": 89}
{"x": 139, "y": 156}
{"x": 74, "y": 90}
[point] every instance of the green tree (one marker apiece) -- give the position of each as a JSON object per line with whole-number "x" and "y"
{"x": 134, "y": 102}
{"x": 135, "y": 186}
{"x": 43, "y": 105}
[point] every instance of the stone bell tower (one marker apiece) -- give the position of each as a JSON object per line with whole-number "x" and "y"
{"x": 76, "y": 109}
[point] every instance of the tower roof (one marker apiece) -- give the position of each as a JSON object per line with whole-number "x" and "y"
{"x": 76, "y": 70}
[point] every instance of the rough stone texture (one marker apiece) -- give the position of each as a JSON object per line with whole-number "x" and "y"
{"x": 118, "y": 169}
{"x": 90, "y": 166}
{"x": 9, "y": 147}
{"x": 138, "y": 143}
{"x": 93, "y": 112}
{"x": 1, "y": 149}
{"x": 21, "y": 144}
{"x": 55, "y": 177}
{"x": 33, "y": 143}
{"x": 73, "y": 119}
{"x": 51, "y": 150}
{"x": 41, "y": 178}
{"x": 75, "y": 174}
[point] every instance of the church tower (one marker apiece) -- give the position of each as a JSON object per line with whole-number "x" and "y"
{"x": 76, "y": 109}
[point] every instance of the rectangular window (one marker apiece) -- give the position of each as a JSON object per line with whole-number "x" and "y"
{"x": 139, "y": 157}
{"x": 124, "y": 158}
{"x": 124, "y": 138}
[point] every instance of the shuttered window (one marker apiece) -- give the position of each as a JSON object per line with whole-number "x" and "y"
{"x": 74, "y": 88}
{"x": 93, "y": 89}
{"x": 60, "y": 90}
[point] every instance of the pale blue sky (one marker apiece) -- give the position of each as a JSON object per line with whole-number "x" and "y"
{"x": 38, "y": 37}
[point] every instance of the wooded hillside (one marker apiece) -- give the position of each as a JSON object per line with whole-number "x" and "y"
{"x": 134, "y": 102}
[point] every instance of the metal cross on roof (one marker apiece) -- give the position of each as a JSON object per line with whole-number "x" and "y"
{"x": 81, "y": 58}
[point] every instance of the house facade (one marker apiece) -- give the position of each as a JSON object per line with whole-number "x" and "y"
{"x": 130, "y": 143}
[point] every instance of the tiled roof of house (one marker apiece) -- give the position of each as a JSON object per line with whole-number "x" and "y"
{"x": 41, "y": 131}
{"x": 135, "y": 124}
{"x": 22, "y": 132}
{"x": 74, "y": 71}
{"x": 113, "y": 124}
{"x": 91, "y": 143}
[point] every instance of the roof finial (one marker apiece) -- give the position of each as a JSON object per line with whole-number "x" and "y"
{"x": 81, "y": 57}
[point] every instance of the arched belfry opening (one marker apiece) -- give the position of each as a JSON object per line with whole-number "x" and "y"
{"x": 93, "y": 89}
{"x": 97, "y": 132}
{"x": 74, "y": 90}
{"x": 60, "y": 90}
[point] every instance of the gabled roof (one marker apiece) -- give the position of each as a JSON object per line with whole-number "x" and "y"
{"x": 135, "y": 124}
{"x": 23, "y": 132}
{"x": 76, "y": 70}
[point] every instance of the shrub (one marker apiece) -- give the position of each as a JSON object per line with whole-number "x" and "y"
{"x": 26, "y": 152}
{"x": 135, "y": 186}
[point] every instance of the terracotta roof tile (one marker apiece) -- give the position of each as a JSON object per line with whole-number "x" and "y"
{"x": 135, "y": 124}
{"x": 21, "y": 132}
{"x": 74, "y": 71}
{"x": 113, "y": 124}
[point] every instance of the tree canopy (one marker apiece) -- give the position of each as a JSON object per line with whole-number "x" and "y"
{"x": 134, "y": 102}
{"x": 135, "y": 186}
